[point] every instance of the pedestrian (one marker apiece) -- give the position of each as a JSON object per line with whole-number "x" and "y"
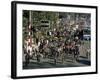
{"x": 27, "y": 58}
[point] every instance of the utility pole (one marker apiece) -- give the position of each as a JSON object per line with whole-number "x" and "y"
{"x": 29, "y": 29}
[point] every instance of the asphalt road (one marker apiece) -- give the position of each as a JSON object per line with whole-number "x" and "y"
{"x": 68, "y": 61}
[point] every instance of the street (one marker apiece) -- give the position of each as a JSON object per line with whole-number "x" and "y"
{"x": 83, "y": 60}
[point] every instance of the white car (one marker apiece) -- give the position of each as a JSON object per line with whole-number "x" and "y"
{"x": 87, "y": 37}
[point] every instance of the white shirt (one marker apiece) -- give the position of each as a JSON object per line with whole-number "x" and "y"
{"x": 30, "y": 49}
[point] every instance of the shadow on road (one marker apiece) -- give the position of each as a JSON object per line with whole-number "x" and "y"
{"x": 86, "y": 62}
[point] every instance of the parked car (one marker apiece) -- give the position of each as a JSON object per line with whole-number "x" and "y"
{"x": 87, "y": 37}
{"x": 87, "y": 34}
